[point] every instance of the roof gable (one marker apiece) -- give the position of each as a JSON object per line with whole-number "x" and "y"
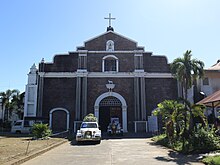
{"x": 215, "y": 66}
{"x": 98, "y": 43}
{"x": 112, "y": 33}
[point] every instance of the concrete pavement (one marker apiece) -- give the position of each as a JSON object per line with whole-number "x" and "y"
{"x": 131, "y": 151}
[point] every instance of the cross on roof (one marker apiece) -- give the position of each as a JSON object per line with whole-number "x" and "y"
{"x": 110, "y": 18}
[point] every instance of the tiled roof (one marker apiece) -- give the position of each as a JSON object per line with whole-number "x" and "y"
{"x": 215, "y": 67}
{"x": 212, "y": 100}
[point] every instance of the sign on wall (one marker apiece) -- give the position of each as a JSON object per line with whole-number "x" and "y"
{"x": 152, "y": 124}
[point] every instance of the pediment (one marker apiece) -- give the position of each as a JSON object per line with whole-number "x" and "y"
{"x": 113, "y": 34}
{"x": 121, "y": 42}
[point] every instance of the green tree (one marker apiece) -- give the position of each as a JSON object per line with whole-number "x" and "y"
{"x": 17, "y": 104}
{"x": 180, "y": 121}
{"x": 6, "y": 101}
{"x": 172, "y": 115}
{"x": 186, "y": 70}
{"x": 197, "y": 115}
{"x": 192, "y": 114}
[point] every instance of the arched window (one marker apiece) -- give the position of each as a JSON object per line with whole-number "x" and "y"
{"x": 110, "y": 45}
{"x": 110, "y": 63}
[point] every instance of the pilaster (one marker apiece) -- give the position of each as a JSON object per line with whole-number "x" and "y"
{"x": 81, "y": 86}
{"x": 143, "y": 98}
{"x": 136, "y": 98}
{"x": 78, "y": 98}
{"x": 84, "y": 97}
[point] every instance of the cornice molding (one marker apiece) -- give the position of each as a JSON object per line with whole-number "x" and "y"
{"x": 104, "y": 74}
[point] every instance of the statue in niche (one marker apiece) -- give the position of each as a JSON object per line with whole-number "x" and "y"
{"x": 109, "y": 45}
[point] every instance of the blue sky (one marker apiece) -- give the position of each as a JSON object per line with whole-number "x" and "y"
{"x": 34, "y": 29}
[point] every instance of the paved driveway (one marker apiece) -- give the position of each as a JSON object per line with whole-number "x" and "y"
{"x": 112, "y": 152}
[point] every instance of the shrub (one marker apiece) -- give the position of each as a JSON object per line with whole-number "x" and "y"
{"x": 204, "y": 140}
{"x": 200, "y": 141}
{"x": 211, "y": 160}
{"x": 90, "y": 118}
{"x": 164, "y": 141}
{"x": 41, "y": 131}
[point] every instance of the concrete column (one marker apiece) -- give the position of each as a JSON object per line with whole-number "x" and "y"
{"x": 78, "y": 98}
{"x": 143, "y": 99}
{"x": 50, "y": 124}
{"x": 135, "y": 98}
{"x": 79, "y": 62}
{"x": 68, "y": 121}
{"x": 124, "y": 118}
{"x": 96, "y": 114}
{"x": 40, "y": 96}
{"x": 117, "y": 65}
{"x": 141, "y": 62}
{"x": 84, "y": 97}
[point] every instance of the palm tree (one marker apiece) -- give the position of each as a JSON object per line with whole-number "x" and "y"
{"x": 186, "y": 70}
{"x": 197, "y": 114}
{"x": 17, "y": 104}
{"x": 6, "y": 101}
{"x": 172, "y": 115}
{"x": 180, "y": 118}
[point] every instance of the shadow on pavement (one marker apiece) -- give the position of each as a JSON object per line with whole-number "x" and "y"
{"x": 105, "y": 136}
{"x": 74, "y": 143}
{"x": 179, "y": 158}
{"x": 126, "y": 136}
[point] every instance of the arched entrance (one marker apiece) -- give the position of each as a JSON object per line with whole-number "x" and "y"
{"x": 109, "y": 109}
{"x": 110, "y": 105}
{"x": 59, "y": 119}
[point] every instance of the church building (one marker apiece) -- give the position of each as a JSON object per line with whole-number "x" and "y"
{"x": 109, "y": 76}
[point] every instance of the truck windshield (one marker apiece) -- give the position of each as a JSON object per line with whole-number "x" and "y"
{"x": 18, "y": 123}
{"x": 89, "y": 125}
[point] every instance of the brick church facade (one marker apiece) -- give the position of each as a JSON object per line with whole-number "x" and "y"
{"x": 110, "y": 76}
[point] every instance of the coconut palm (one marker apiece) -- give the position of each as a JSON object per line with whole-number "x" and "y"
{"x": 6, "y": 100}
{"x": 186, "y": 70}
{"x": 197, "y": 114}
{"x": 17, "y": 104}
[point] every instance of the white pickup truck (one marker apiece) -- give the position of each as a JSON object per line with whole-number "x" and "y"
{"x": 21, "y": 126}
{"x": 89, "y": 131}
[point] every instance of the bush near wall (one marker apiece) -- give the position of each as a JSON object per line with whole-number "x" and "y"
{"x": 41, "y": 131}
